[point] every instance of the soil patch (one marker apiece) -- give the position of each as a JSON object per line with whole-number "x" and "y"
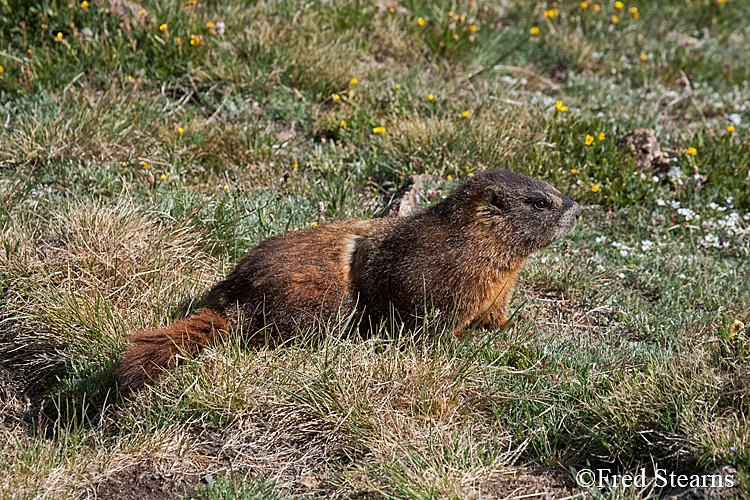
{"x": 142, "y": 482}
{"x": 534, "y": 483}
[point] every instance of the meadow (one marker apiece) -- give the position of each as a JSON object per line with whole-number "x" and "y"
{"x": 146, "y": 147}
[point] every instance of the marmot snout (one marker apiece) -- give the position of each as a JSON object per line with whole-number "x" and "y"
{"x": 458, "y": 259}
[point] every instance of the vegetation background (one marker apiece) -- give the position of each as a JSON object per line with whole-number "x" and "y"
{"x": 145, "y": 150}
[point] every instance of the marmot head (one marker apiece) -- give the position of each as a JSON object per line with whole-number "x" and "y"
{"x": 526, "y": 214}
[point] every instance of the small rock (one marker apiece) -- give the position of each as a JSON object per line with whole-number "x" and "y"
{"x": 648, "y": 155}
{"x": 207, "y": 479}
{"x": 406, "y": 200}
{"x": 393, "y": 6}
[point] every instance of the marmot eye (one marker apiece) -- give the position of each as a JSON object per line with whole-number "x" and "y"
{"x": 541, "y": 204}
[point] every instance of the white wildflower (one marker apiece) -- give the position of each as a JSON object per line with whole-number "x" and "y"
{"x": 687, "y": 213}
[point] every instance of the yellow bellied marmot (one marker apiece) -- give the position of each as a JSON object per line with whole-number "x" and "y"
{"x": 460, "y": 257}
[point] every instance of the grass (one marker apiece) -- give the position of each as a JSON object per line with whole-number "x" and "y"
{"x": 137, "y": 167}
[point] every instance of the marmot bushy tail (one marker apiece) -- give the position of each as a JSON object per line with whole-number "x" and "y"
{"x": 154, "y": 350}
{"x": 458, "y": 260}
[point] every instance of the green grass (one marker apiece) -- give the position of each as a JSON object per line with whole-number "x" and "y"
{"x": 137, "y": 167}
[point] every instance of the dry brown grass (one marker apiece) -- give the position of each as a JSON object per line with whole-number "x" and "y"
{"x": 96, "y": 272}
{"x": 408, "y": 406}
{"x": 419, "y": 141}
{"x": 127, "y": 127}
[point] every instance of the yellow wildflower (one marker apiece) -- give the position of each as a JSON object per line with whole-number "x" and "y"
{"x": 730, "y": 129}
{"x": 559, "y": 106}
{"x": 470, "y": 174}
{"x": 195, "y": 40}
{"x": 420, "y": 21}
{"x": 353, "y": 81}
{"x": 146, "y": 164}
{"x": 378, "y": 130}
{"x": 551, "y": 13}
{"x": 595, "y": 7}
{"x": 595, "y": 188}
{"x": 350, "y": 93}
{"x": 398, "y": 86}
{"x": 335, "y": 97}
{"x": 177, "y": 39}
{"x": 644, "y": 57}
{"x": 691, "y": 151}
{"x": 589, "y": 140}
{"x": 163, "y": 27}
{"x": 1, "y": 68}
{"x": 449, "y": 177}
{"x": 343, "y": 123}
{"x": 430, "y": 97}
{"x": 615, "y": 19}
{"x": 162, "y": 177}
{"x": 225, "y": 187}
{"x": 601, "y": 136}
{"x": 295, "y": 165}
{"x": 619, "y": 5}
{"x": 573, "y": 171}
{"x": 455, "y": 36}
{"x": 84, "y": 4}
{"x": 634, "y": 12}
{"x": 210, "y": 25}
{"x": 583, "y": 5}
{"x": 534, "y": 30}
{"x": 58, "y": 38}
{"x": 465, "y": 114}
{"x": 737, "y": 325}
{"x": 473, "y": 28}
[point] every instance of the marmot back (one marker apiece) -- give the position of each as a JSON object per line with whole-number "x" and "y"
{"x": 459, "y": 258}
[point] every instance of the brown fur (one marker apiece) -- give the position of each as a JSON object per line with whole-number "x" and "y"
{"x": 154, "y": 350}
{"x": 460, "y": 258}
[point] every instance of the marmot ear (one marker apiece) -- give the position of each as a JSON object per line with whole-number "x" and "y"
{"x": 495, "y": 197}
